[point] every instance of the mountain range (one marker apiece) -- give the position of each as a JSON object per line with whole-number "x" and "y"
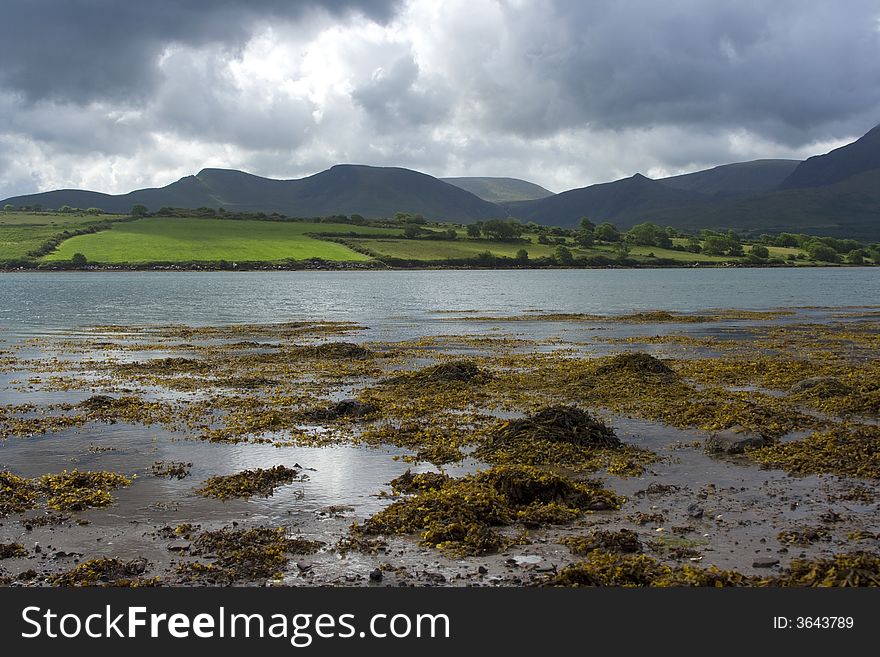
{"x": 836, "y": 194}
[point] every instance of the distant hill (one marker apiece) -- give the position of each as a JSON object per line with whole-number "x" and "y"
{"x": 836, "y": 194}
{"x": 736, "y": 180}
{"x": 373, "y": 192}
{"x": 841, "y": 163}
{"x": 850, "y": 208}
{"x": 500, "y": 190}
{"x": 635, "y": 197}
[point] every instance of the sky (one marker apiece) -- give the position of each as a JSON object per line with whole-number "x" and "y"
{"x": 114, "y": 96}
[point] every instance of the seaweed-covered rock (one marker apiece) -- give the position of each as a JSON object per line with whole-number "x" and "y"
{"x": 248, "y": 483}
{"x": 460, "y": 514}
{"x": 335, "y": 350}
{"x": 564, "y": 424}
{"x": 733, "y": 441}
{"x": 524, "y": 485}
{"x": 413, "y": 483}
{"x": 238, "y": 555}
{"x": 345, "y": 408}
{"x": 636, "y": 362}
{"x": 823, "y": 387}
{"x": 457, "y": 371}
{"x": 103, "y": 571}
{"x": 624, "y": 541}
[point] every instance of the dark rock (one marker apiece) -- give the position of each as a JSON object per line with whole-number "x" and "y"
{"x": 732, "y": 441}
{"x": 483, "y": 570}
{"x": 765, "y": 562}
{"x": 695, "y": 510}
{"x": 376, "y": 575}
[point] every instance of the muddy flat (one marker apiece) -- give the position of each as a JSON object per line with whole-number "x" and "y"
{"x": 732, "y": 446}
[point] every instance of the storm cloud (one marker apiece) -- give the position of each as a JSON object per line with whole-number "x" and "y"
{"x": 113, "y": 96}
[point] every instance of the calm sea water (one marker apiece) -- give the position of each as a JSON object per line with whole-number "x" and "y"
{"x": 37, "y": 302}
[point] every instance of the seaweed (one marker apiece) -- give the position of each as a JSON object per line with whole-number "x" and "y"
{"x": 171, "y": 469}
{"x": 105, "y": 571}
{"x": 416, "y": 483}
{"x": 561, "y": 436}
{"x": 804, "y": 536}
{"x": 456, "y": 371}
{"x": 343, "y": 409}
{"x": 259, "y": 553}
{"x": 841, "y": 570}
{"x": 249, "y": 483}
{"x": 16, "y": 494}
{"x": 561, "y": 424}
{"x": 627, "y": 570}
{"x": 635, "y": 363}
{"x": 848, "y": 450}
{"x": 607, "y": 569}
{"x": 334, "y": 350}
{"x": 77, "y": 491}
{"x": 12, "y": 550}
{"x": 459, "y": 515}
{"x": 623, "y": 541}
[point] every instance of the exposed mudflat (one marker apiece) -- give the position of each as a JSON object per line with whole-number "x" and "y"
{"x": 148, "y": 424}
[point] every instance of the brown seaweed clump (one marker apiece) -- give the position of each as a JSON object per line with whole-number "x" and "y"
{"x": 106, "y": 572}
{"x": 343, "y": 409}
{"x": 602, "y": 568}
{"x": 335, "y": 350}
{"x": 608, "y": 569}
{"x": 12, "y": 550}
{"x": 460, "y": 515}
{"x": 456, "y": 371}
{"x": 417, "y": 483}
{"x": 563, "y": 436}
{"x": 622, "y": 541}
{"x": 560, "y": 424}
{"x": 77, "y": 491}
{"x": 841, "y": 570}
{"x": 635, "y": 362}
{"x": 17, "y": 494}
{"x": 238, "y": 555}
{"x": 852, "y": 450}
{"x": 171, "y": 469}
{"x": 803, "y": 537}
{"x": 249, "y": 483}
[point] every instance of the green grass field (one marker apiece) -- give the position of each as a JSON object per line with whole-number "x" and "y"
{"x": 17, "y": 241}
{"x": 210, "y": 240}
{"x": 23, "y": 232}
{"x": 193, "y": 239}
{"x": 57, "y": 219}
{"x": 449, "y": 249}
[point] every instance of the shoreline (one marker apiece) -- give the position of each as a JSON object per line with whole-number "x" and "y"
{"x": 357, "y": 266}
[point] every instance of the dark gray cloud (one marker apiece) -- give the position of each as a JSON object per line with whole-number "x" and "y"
{"x": 788, "y": 70}
{"x": 87, "y": 50}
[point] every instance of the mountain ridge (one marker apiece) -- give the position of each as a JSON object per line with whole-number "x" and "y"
{"x": 837, "y": 193}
